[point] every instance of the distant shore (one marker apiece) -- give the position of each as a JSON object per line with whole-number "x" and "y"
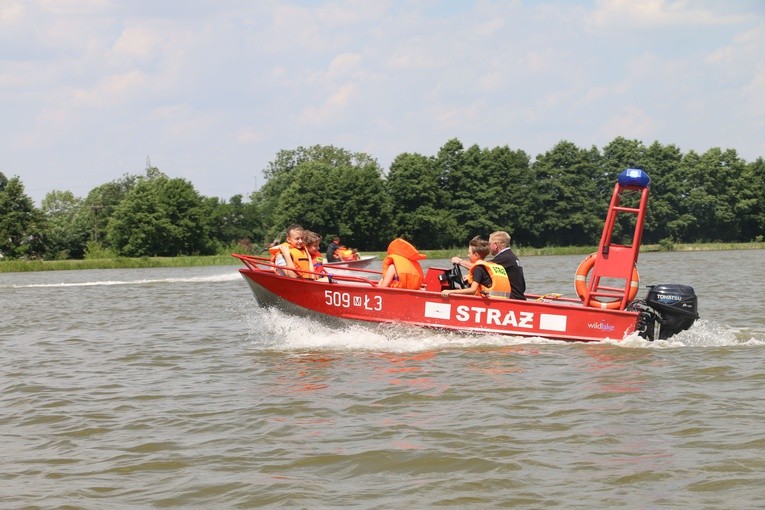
{"x": 10, "y": 266}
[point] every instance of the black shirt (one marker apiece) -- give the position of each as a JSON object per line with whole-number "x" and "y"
{"x": 507, "y": 259}
{"x": 481, "y": 275}
{"x": 331, "y": 252}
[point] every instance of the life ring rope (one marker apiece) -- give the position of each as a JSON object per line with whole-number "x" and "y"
{"x": 580, "y": 282}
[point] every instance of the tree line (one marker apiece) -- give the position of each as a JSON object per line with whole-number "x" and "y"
{"x": 436, "y": 202}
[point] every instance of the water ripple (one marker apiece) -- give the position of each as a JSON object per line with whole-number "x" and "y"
{"x": 173, "y": 390}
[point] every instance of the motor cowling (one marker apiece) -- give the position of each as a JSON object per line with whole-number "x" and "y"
{"x": 667, "y": 310}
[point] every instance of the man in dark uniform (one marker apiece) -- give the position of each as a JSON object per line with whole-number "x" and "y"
{"x": 499, "y": 244}
{"x": 333, "y": 246}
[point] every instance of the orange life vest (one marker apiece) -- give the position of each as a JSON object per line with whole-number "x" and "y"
{"x": 405, "y": 258}
{"x": 409, "y": 273}
{"x": 500, "y": 283}
{"x": 301, "y": 259}
{"x": 344, "y": 253}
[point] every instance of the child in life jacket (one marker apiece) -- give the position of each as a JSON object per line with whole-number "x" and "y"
{"x": 291, "y": 257}
{"x": 312, "y": 241}
{"x": 485, "y": 278}
{"x": 401, "y": 267}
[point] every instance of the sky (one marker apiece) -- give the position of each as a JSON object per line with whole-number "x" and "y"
{"x": 211, "y": 90}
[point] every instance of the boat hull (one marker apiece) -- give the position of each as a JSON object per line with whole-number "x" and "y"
{"x": 355, "y": 264}
{"x": 365, "y": 302}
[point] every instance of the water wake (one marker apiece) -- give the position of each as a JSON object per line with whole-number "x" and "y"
{"x": 292, "y": 333}
{"x": 227, "y": 277}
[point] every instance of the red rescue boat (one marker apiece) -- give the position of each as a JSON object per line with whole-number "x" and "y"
{"x": 604, "y": 309}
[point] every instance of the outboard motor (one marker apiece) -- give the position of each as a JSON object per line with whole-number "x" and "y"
{"x": 667, "y": 310}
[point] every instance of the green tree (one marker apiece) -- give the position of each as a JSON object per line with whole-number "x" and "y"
{"x": 160, "y": 217}
{"x": 714, "y": 188}
{"x": 68, "y": 226}
{"x": 459, "y": 176}
{"x": 752, "y": 203}
{"x": 103, "y": 200}
{"x": 327, "y": 190}
{"x": 508, "y": 198}
{"x": 663, "y": 165}
{"x": 466, "y": 179}
{"x": 233, "y": 221}
{"x": 288, "y": 159}
{"x": 448, "y": 199}
{"x": 365, "y": 211}
{"x": 21, "y": 224}
{"x": 419, "y": 203}
{"x": 567, "y": 199}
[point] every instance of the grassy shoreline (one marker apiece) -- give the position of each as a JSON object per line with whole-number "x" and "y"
{"x": 13, "y": 266}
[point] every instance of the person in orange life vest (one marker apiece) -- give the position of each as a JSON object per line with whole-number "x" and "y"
{"x": 487, "y": 278}
{"x": 344, "y": 253}
{"x": 312, "y": 241}
{"x": 499, "y": 244}
{"x": 292, "y": 255}
{"x": 332, "y": 248}
{"x": 401, "y": 267}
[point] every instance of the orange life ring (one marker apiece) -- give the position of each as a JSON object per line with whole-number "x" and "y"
{"x": 580, "y": 282}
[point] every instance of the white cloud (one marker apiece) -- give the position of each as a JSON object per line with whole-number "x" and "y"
{"x": 247, "y": 136}
{"x": 491, "y": 81}
{"x": 332, "y": 109}
{"x": 344, "y": 65}
{"x": 10, "y": 13}
{"x": 547, "y": 103}
{"x": 634, "y": 14}
{"x": 450, "y": 117}
{"x": 743, "y": 52}
{"x": 416, "y": 54}
{"x": 111, "y": 90}
{"x": 87, "y": 87}
{"x": 630, "y": 122}
{"x": 754, "y": 104}
{"x": 137, "y": 41}
{"x": 71, "y": 7}
{"x": 490, "y": 27}
{"x": 545, "y": 60}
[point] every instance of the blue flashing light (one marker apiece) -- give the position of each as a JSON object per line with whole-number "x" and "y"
{"x": 634, "y": 177}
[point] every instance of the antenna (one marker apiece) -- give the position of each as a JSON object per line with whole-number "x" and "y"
{"x": 148, "y": 162}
